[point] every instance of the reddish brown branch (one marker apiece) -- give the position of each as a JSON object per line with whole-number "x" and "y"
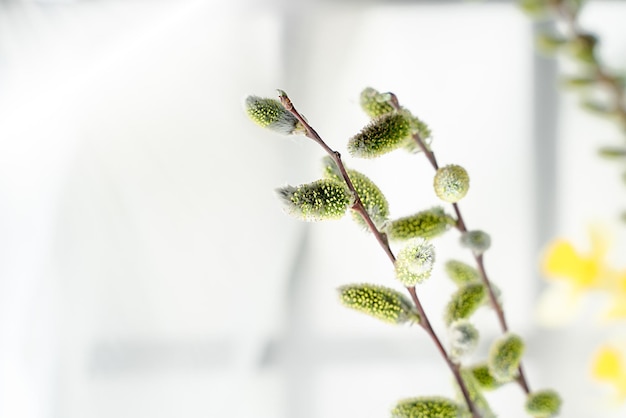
{"x": 384, "y": 243}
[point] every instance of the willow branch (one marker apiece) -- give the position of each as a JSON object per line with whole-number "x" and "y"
{"x": 603, "y": 75}
{"x": 461, "y": 226}
{"x": 384, "y": 243}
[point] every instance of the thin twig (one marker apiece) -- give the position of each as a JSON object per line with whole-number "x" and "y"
{"x": 384, "y": 243}
{"x": 603, "y": 75}
{"x": 460, "y": 225}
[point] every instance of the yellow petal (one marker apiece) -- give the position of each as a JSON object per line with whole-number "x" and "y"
{"x": 617, "y": 310}
{"x": 563, "y": 262}
{"x": 607, "y": 365}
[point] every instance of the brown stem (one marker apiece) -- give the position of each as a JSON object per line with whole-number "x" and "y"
{"x": 336, "y": 157}
{"x": 460, "y": 225}
{"x": 454, "y": 367}
{"x": 602, "y": 74}
{"x": 384, "y": 243}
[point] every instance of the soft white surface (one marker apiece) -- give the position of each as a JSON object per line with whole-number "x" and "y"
{"x": 145, "y": 260}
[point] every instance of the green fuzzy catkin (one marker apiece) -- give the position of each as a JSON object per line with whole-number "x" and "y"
{"x": 417, "y": 128}
{"x": 461, "y": 273}
{"x": 451, "y": 183}
{"x": 477, "y": 241}
{"x": 463, "y": 338}
{"x": 464, "y": 302}
{"x": 374, "y": 103}
{"x": 534, "y": 8}
{"x": 505, "y": 355}
{"x": 582, "y": 48}
{"x": 475, "y": 394}
{"x": 549, "y": 43}
{"x": 483, "y": 377}
{"x": 380, "y": 302}
{"x": 543, "y": 404}
{"x": 425, "y": 224}
{"x": 415, "y": 262}
{"x": 271, "y": 114}
{"x": 428, "y": 407}
{"x": 382, "y": 135}
{"x": 371, "y": 196}
{"x": 320, "y": 200}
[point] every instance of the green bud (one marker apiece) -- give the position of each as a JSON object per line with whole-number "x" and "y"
{"x": 577, "y": 82}
{"x": 428, "y": 407}
{"x": 534, "y": 8}
{"x": 549, "y": 44}
{"x": 597, "y": 108}
{"x": 380, "y": 302}
{"x": 543, "y": 404}
{"x": 477, "y": 241}
{"x": 464, "y": 302}
{"x": 476, "y": 395}
{"x": 415, "y": 262}
{"x": 463, "y": 338}
{"x": 505, "y": 356}
{"x": 320, "y": 200}
{"x": 576, "y": 5}
{"x": 382, "y": 135}
{"x": 483, "y": 377}
{"x": 612, "y": 152}
{"x": 582, "y": 48}
{"x": 425, "y": 224}
{"x": 417, "y": 128}
{"x": 420, "y": 128}
{"x": 371, "y": 196}
{"x": 375, "y": 104}
{"x": 461, "y": 273}
{"x": 451, "y": 183}
{"x": 270, "y": 113}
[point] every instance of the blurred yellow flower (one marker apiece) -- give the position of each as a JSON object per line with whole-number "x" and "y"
{"x": 608, "y": 367}
{"x": 581, "y": 271}
{"x": 573, "y": 274}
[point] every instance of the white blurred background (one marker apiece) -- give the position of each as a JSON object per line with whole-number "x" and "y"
{"x": 146, "y": 269}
